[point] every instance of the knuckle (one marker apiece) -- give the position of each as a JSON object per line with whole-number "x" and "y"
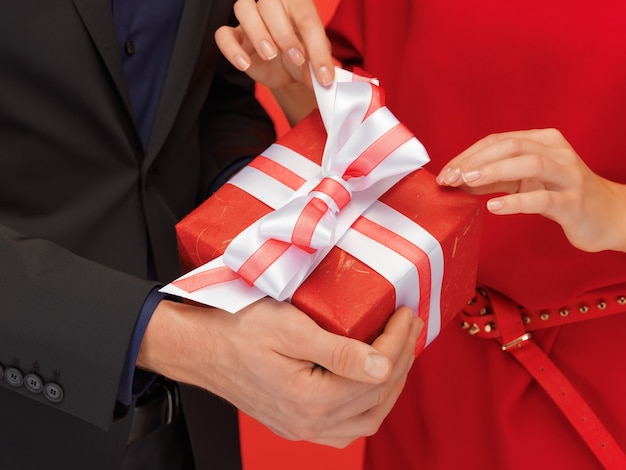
{"x": 304, "y": 430}
{"x": 552, "y": 133}
{"x": 315, "y": 412}
{"x": 383, "y": 396}
{"x": 536, "y": 164}
{"x": 513, "y": 145}
{"x": 492, "y": 138}
{"x": 304, "y": 433}
{"x": 471, "y": 162}
{"x": 308, "y": 21}
{"x": 283, "y": 36}
{"x": 371, "y": 425}
{"x": 342, "y": 443}
{"x": 372, "y": 429}
{"x": 306, "y": 405}
{"x": 547, "y": 203}
{"x": 340, "y": 357}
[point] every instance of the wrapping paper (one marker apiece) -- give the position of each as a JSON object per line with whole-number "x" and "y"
{"x": 337, "y": 218}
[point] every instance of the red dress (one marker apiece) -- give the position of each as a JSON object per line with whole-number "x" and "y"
{"x": 455, "y": 72}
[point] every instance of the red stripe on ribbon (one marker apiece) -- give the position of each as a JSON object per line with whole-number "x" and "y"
{"x": 373, "y": 155}
{"x": 335, "y": 190}
{"x": 278, "y": 172}
{"x": 404, "y": 248}
{"x": 377, "y": 101}
{"x": 205, "y": 279}
{"x": 262, "y": 259}
{"x": 310, "y": 216}
{"x": 378, "y": 94}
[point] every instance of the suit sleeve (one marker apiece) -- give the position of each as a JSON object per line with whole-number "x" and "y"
{"x": 68, "y": 321}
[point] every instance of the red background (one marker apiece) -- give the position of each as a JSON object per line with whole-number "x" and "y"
{"x": 262, "y": 449}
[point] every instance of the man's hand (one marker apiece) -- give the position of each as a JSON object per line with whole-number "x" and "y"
{"x": 277, "y": 365}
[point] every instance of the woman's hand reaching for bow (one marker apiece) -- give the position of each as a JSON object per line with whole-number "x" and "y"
{"x": 541, "y": 173}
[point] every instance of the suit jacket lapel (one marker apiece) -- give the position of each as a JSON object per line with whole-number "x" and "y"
{"x": 189, "y": 41}
{"x": 98, "y": 19}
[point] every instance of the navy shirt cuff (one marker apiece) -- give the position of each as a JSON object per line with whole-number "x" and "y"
{"x": 136, "y": 381}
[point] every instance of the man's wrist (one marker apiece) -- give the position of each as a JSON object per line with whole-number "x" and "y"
{"x": 133, "y": 382}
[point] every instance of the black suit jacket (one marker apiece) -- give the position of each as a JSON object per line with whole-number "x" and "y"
{"x": 82, "y": 203}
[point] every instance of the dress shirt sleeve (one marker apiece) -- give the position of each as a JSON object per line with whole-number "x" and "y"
{"x": 136, "y": 381}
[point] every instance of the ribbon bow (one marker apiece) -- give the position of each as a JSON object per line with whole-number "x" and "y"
{"x": 367, "y": 151}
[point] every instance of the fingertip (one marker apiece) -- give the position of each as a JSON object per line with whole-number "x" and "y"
{"x": 449, "y": 176}
{"x": 241, "y": 62}
{"x": 325, "y": 75}
{"x": 377, "y": 366}
{"x": 296, "y": 57}
{"x": 419, "y": 322}
{"x": 410, "y": 314}
{"x": 441, "y": 180}
{"x": 267, "y": 50}
{"x": 495, "y": 205}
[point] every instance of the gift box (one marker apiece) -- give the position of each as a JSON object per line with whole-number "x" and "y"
{"x": 343, "y": 294}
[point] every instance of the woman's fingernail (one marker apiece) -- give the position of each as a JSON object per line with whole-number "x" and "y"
{"x": 494, "y": 205}
{"x": 452, "y": 176}
{"x": 268, "y": 50}
{"x": 324, "y": 75}
{"x": 440, "y": 178}
{"x": 295, "y": 56}
{"x": 241, "y": 63}
{"x": 470, "y": 176}
{"x": 376, "y": 366}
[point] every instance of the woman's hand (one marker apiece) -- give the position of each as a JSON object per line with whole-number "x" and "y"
{"x": 542, "y": 174}
{"x": 273, "y": 41}
{"x": 273, "y": 44}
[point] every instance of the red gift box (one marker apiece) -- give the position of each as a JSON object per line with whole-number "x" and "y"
{"x": 343, "y": 294}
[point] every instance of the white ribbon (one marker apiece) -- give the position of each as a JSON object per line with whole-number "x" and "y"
{"x": 356, "y": 125}
{"x": 350, "y": 156}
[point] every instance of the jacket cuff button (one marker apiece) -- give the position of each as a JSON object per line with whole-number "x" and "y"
{"x": 33, "y": 383}
{"x": 14, "y": 377}
{"x": 53, "y": 392}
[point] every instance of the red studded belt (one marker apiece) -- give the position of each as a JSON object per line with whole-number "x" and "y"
{"x": 492, "y": 315}
{"x": 479, "y": 319}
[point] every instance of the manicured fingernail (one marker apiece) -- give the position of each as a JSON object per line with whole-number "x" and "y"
{"x": 470, "y": 176}
{"x": 324, "y": 75}
{"x": 452, "y": 176}
{"x": 440, "y": 178}
{"x": 295, "y": 56}
{"x": 268, "y": 50}
{"x": 494, "y": 205}
{"x": 376, "y": 366}
{"x": 241, "y": 63}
